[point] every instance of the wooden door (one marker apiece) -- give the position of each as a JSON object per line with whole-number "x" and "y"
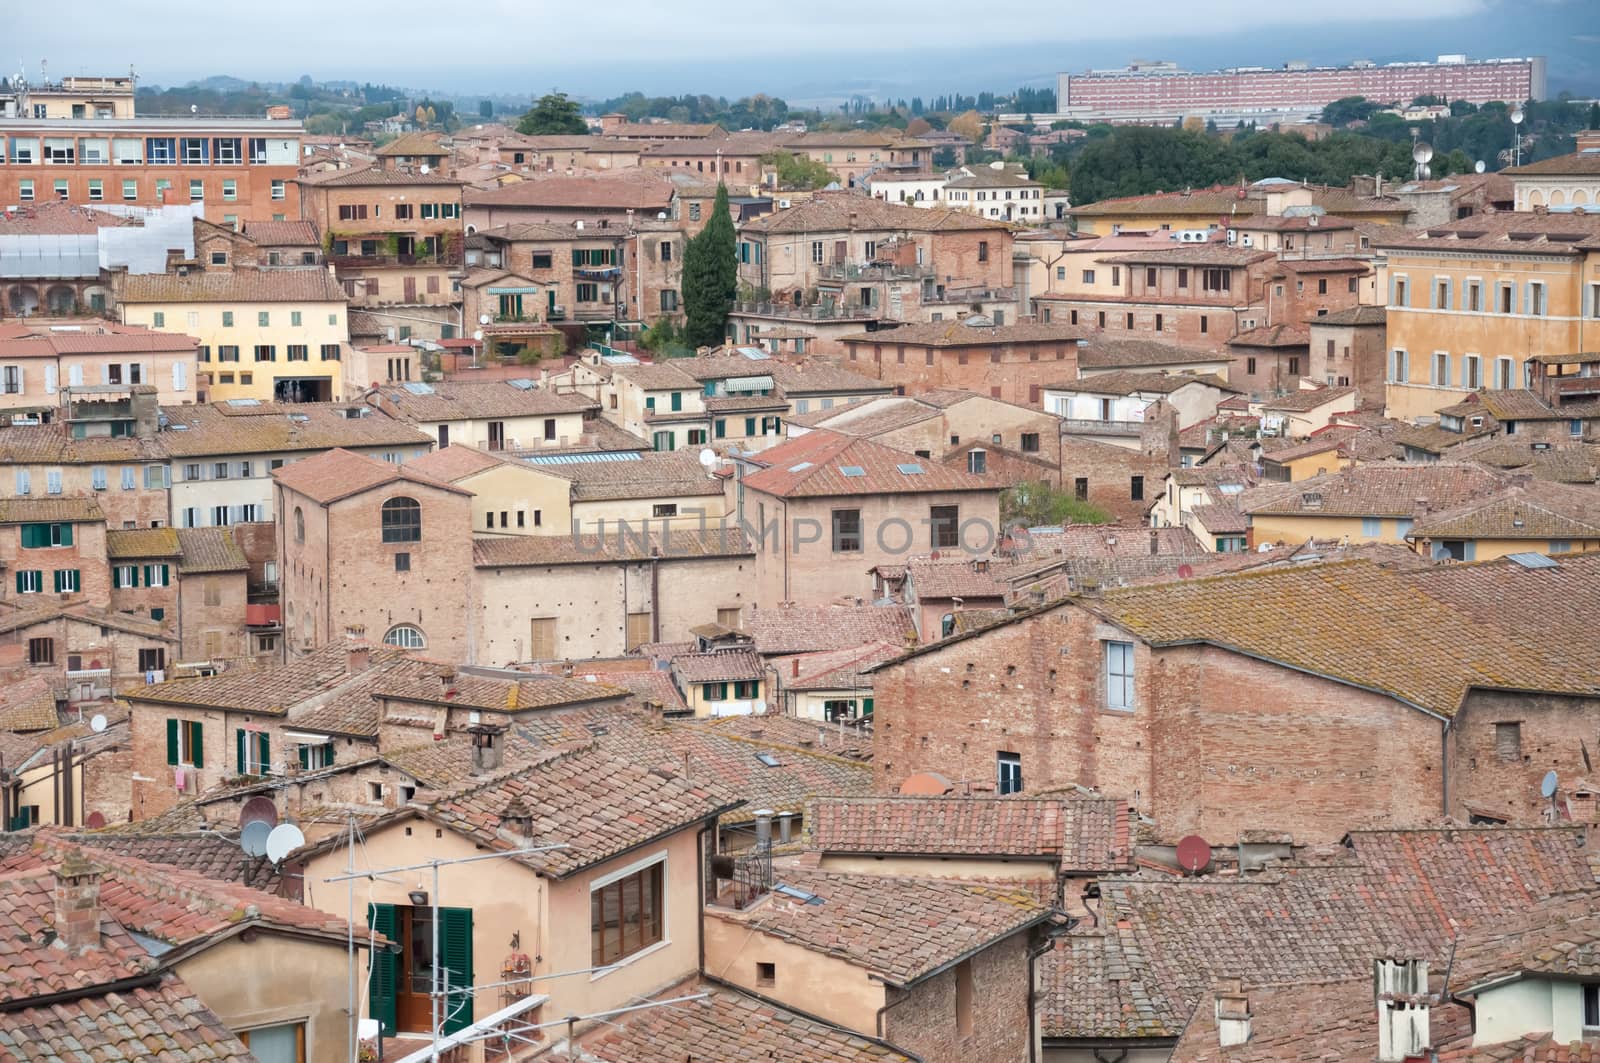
{"x": 413, "y": 1005}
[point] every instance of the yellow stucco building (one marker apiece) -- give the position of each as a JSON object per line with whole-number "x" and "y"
{"x": 1471, "y": 301}
{"x": 268, "y": 334}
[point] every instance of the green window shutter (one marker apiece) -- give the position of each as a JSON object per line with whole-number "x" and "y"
{"x": 329, "y": 758}
{"x": 577, "y": 257}
{"x": 305, "y": 756}
{"x": 56, "y": 576}
{"x": 238, "y": 751}
{"x": 172, "y": 741}
{"x": 266, "y": 752}
{"x": 66, "y": 535}
{"x": 866, "y": 706}
{"x": 455, "y": 955}
{"x": 385, "y": 980}
{"x": 197, "y": 740}
{"x": 722, "y": 428}
{"x": 19, "y": 582}
{"x": 116, "y": 577}
{"x": 709, "y": 691}
{"x": 146, "y": 575}
{"x": 749, "y": 426}
{"x": 30, "y": 536}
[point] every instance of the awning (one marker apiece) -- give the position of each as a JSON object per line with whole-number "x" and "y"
{"x": 747, "y": 383}
{"x": 603, "y": 274}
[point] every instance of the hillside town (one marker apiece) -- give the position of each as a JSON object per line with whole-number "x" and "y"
{"x": 886, "y": 604}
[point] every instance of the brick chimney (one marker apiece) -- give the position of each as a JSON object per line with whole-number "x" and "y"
{"x": 77, "y": 903}
{"x": 1233, "y": 1012}
{"x": 359, "y": 656}
{"x": 487, "y": 750}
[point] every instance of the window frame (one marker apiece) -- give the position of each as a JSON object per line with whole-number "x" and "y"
{"x": 649, "y": 879}
{"x": 394, "y": 529}
{"x": 1119, "y": 674}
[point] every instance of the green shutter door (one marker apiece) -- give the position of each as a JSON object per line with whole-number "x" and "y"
{"x": 305, "y": 757}
{"x": 66, "y": 535}
{"x": 198, "y": 742}
{"x": 238, "y": 751}
{"x": 172, "y": 741}
{"x": 455, "y": 953}
{"x": 266, "y": 753}
{"x": 385, "y": 978}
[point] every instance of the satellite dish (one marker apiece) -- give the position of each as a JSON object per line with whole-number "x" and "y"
{"x": 661, "y": 215}
{"x": 97, "y": 724}
{"x": 1185, "y": 571}
{"x": 284, "y": 839}
{"x": 259, "y": 810}
{"x": 1478, "y": 167}
{"x": 1194, "y": 854}
{"x": 194, "y": 108}
{"x": 477, "y": 334}
{"x": 1547, "y": 788}
{"x": 1422, "y": 152}
{"x": 95, "y": 821}
{"x": 253, "y": 838}
{"x": 1517, "y": 116}
{"x": 423, "y": 168}
{"x": 483, "y": 319}
{"x": 708, "y": 458}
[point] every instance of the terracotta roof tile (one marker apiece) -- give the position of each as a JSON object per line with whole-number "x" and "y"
{"x": 633, "y": 189}
{"x": 282, "y": 233}
{"x": 456, "y": 401}
{"x": 839, "y": 669}
{"x": 901, "y": 929}
{"x": 164, "y": 1021}
{"x": 1387, "y": 489}
{"x": 1089, "y": 990}
{"x": 221, "y": 428}
{"x": 271, "y": 690}
{"x": 1127, "y": 354}
{"x": 1306, "y": 399}
{"x": 210, "y": 550}
{"x": 819, "y": 464}
{"x": 509, "y": 551}
{"x": 28, "y": 704}
{"x": 142, "y": 542}
{"x": 837, "y": 211}
{"x": 1537, "y": 510}
{"x": 211, "y": 854}
{"x": 788, "y": 629}
{"x": 943, "y": 334}
{"x": 340, "y": 473}
{"x": 731, "y": 1028}
{"x": 653, "y": 475}
{"x": 312, "y": 284}
{"x": 593, "y": 803}
{"x": 718, "y": 666}
{"x": 56, "y": 510}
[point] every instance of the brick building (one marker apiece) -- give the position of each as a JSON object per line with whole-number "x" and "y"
{"x": 825, "y": 509}
{"x": 842, "y": 946}
{"x": 1176, "y": 695}
{"x": 395, "y": 239}
{"x": 1348, "y": 347}
{"x": 39, "y": 359}
{"x": 1008, "y": 362}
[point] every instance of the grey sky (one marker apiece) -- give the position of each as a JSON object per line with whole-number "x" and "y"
{"x": 718, "y": 45}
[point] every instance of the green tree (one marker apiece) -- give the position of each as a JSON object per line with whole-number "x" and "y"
{"x": 1342, "y": 112}
{"x": 485, "y": 108}
{"x": 1038, "y": 504}
{"x": 1594, "y": 115}
{"x": 710, "y": 277}
{"x": 553, "y": 113}
{"x": 798, "y": 171}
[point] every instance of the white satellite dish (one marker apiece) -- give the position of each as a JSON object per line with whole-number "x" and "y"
{"x": 477, "y": 334}
{"x": 1517, "y": 116}
{"x": 97, "y": 724}
{"x": 1548, "y": 785}
{"x": 284, "y": 839}
{"x": 423, "y": 168}
{"x": 661, "y": 215}
{"x": 708, "y": 458}
{"x": 483, "y": 319}
{"x": 253, "y": 838}
{"x": 1479, "y": 167}
{"x": 1422, "y": 153}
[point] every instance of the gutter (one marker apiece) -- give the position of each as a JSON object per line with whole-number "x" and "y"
{"x": 122, "y": 985}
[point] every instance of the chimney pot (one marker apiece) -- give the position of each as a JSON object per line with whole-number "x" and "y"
{"x": 763, "y": 828}
{"x": 1233, "y": 1012}
{"x": 794, "y": 667}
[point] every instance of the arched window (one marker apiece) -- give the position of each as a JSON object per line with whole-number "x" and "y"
{"x": 402, "y": 521}
{"x": 406, "y": 637}
{"x": 299, "y": 525}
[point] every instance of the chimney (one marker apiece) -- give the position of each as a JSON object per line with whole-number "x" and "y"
{"x": 1155, "y": 542}
{"x": 146, "y": 411}
{"x": 784, "y": 821}
{"x": 656, "y": 710}
{"x": 359, "y": 656}
{"x": 794, "y": 667}
{"x": 77, "y": 903}
{"x": 517, "y": 819}
{"x": 486, "y": 750}
{"x": 447, "y": 683}
{"x": 1233, "y": 1012}
{"x": 763, "y": 828}
{"x": 1403, "y": 1004}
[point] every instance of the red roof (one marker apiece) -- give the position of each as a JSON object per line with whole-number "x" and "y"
{"x": 821, "y": 464}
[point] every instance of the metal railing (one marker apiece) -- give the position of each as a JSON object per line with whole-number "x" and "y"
{"x": 819, "y": 312}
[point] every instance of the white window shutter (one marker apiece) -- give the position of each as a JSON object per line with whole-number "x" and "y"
{"x": 178, "y": 374}
{"x": 75, "y": 376}
{"x": 144, "y": 373}
{"x": 50, "y": 379}
{"x": 22, "y": 380}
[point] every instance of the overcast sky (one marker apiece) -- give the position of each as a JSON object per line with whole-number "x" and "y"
{"x": 711, "y": 45}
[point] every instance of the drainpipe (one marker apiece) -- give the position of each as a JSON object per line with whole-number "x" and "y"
{"x": 1444, "y": 764}
{"x": 655, "y": 595}
{"x": 1033, "y": 996}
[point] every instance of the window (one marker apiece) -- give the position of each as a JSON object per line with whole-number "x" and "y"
{"x": 186, "y": 742}
{"x": 543, "y": 260}
{"x": 1008, "y": 773}
{"x": 1399, "y": 367}
{"x": 983, "y": 250}
{"x": 1150, "y": 276}
{"x": 977, "y": 462}
{"x": 1204, "y": 325}
{"x": 1030, "y": 442}
{"x": 279, "y": 188}
{"x": 1591, "y": 1007}
{"x": 1399, "y": 292}
{"x": 816, "y": 251}
{"x": 67, "y": 581}
{"x": 30, "y": 581}
{"x": 252, "y": 752}
{"x": 406, "y": 637}
{"x": 42, "y": 536}
{"x": 626, "y": 915}
{"x": 944, "y": 524}
{"x": 330, "y": 352}
{"x": 1088, "y": 276}
{"x": 1250, "y": 366}
{"x": 25, "y": 190}
{"x": 1119, "y": 676}
{"x": 1216, "y": 280}
{"x": 1536, "y": 298}
{"x": 402, "y": 521}
{"x": 266, "y": 352}
{"x": 964, "y": 997}
{"x": 1371, "y": 527}
{"x": 1471, "y": 371}
{"x": 1136, "y": 488}
{"x": 714, "y": 691}
{"x": 847, "y": 531}
{"x": 766, "y": 974}
{"x": 42, "y": 651}
{"x": 1508, "y": 740}
{"x": 61, "y": 188}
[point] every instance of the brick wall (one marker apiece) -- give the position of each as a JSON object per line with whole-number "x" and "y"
{"x": 1195, "y": 326}
{"x": 212, "y": 615}
{"x": 1350, "y": 354}
{"x": 1015, "y": 372}
{"x": 924, "y": 1019}
{"x": 1109, "y": 472}
{"x": 108, "y": 785}
{"x": 1266, "y": 371}
{"x": 1216, "y": 743}
{"x": 1493, "y": 774}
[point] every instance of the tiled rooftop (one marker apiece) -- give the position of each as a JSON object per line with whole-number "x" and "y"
{"x": 1306, "y": 399}
{"x": 837, "y": 211}
{"x": 730, "y": 1027}
{"x": 270, "y": 690}
{"x": 1128, "y": 354}
{"x": 457, "y": 401}
{"x": 209, "y": 550}
{"x": 957, "y": 334}
{"x": 788, "y": 629}
{"x": 1090, "y": 990}
{"x": 1537, "y": 510}
{"x": 595, "y": 804}
{"x": 336, "y": 474}
{"x": 510, "y": 551}
{"x": 666, "y": 474}
{"x": 822, "y": 464}
{"x": 718, "y": 666}
{"x": 900, "y": 929}
{"x": 163, "y": 1021}
{"x": 222, "y": 428}
{"x": 62, "y": 510}
{"x": 312, "y": 284}
{"x": 1377, "y": 490}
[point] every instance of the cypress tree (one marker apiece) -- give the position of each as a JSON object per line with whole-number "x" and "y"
{"x": 710, "y": 277}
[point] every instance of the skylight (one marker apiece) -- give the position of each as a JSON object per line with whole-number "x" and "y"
{"x": 418, "y": 388}
{"x": 1531, "y": 560}
{"x": 802, "y": 467}
{"x": 244, "y": 402}
{"x": 768, "y": 759}
{"x": 522, "y": 383}
{"x": 910, "y": 469}
{"x": 852, "y": 470}
{"x": 797, "y": 893}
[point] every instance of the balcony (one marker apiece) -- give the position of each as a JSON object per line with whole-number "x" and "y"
{"x": 968, "y": 296}
{"x": 1082, "y": 426}
{"x": 445, "y": 258}
{"x": 819, "y": 312}
{"x": 873, "y": 271}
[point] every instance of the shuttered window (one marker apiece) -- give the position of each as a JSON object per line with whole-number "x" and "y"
{"x": 185, "y": 742}
{"x": 252, "y": 752}
{"x": 385, "y": 975}
{"x": 455, "y": 956}
{"x": 1508, "y": 741}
